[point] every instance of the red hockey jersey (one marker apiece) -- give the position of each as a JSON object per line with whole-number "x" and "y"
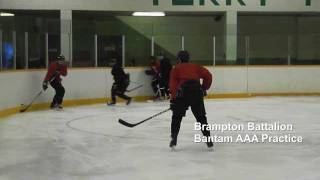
{"x": 187, "y": 71}
{"x": 55, "y": 71}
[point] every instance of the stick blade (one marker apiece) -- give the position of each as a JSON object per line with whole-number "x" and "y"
{"x": 24, "y": 109}
{"x": 121, "y": 121}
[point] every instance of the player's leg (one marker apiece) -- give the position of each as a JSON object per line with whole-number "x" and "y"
{"x": 60, "y": 94}
{"x": 123, "y": 96}
{"x": 120, "y": 92}
{"x": 165, "y": 86}
{"x": 154, "y": 85}
{"x": 175, "y": 128}
{"x": 199, "y": 112}
{"x": 54, "y": 85}
{"x": 113, "y": 94}
{"x": 178, "y": 112}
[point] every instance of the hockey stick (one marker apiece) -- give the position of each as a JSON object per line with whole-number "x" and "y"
{"x": 129, "y": 90}
{"x": 29, "y": 105}
{"x": 134, "y": 82}
{"x": 121, "y": 121}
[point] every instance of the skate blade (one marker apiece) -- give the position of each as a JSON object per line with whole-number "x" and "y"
{"x": 173, "y": 149}
{"x": 211, "y": 149}
{"x": 111, "y": 104}
{"x": 57, "y": 109}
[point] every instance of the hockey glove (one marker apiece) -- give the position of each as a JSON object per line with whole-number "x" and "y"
{"x": 204, "y": 91}
{"x": 45, "y": 85}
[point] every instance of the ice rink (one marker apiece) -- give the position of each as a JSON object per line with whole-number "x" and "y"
{"x": 88, "y": 143}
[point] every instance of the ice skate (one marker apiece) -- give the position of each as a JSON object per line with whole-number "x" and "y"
{"x": 112, "y": 103}
{"x": 173, "y": 149}
{"x": 173, "y": 144}
{"x": 210, "y": 146}
{"x": 58, "y": 107}
{"x": 129, "y": 101}
{"x": 52, "y": 106}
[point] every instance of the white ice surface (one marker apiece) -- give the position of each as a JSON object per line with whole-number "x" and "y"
{"x": 87, "y": 143}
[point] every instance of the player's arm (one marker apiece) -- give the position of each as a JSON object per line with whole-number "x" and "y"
{"x": 49, "y": 76}
{"x": 50, "y": 73}
{"x": 173, "y": 83}
{"x": 206, "y": 76}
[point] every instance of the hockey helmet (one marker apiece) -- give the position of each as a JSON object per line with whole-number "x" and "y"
{"x": 60, "y": 58}
{"x": 183, "y": 56}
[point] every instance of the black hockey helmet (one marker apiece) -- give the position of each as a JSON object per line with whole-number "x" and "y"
{"x": 183, "y": 56}
{"x": 60, "y": 58}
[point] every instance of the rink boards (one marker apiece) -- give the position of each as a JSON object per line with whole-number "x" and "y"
{"x": 92, "y": 85}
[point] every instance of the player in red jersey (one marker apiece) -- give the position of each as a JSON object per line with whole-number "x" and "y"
{"x": 186, "y": 90}
{"x": 56, "y": 69}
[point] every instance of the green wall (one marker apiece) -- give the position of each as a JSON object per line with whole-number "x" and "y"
{"x": 167, "y": 32}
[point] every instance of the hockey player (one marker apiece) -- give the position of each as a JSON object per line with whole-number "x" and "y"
{"x": 154, "y": 71}
{"x": 121, "y": 83}
{"x": 56, "y": 69}
{"x": 186, "y": 90}
{"x": 165, "y": 69}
